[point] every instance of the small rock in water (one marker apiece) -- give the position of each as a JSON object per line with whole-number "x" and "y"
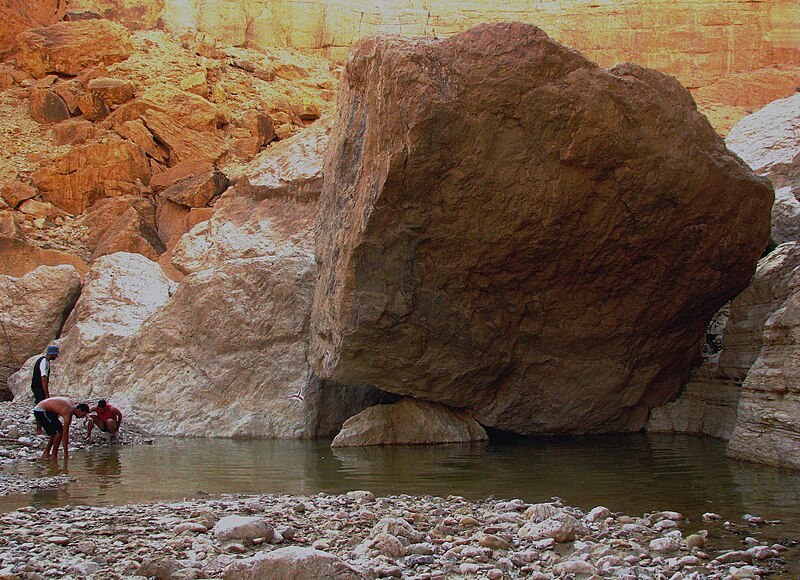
{"x": 711, "y": 517}
{"x": 756, "y": 520}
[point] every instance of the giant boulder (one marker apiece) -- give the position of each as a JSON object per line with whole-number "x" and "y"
{"x": 19, "y": 15}
{"x": 508, "y": 228}
{"x": 769, "y": 141}
{"x": 33, "y": 309}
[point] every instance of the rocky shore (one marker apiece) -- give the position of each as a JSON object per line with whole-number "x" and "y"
{"x": 360, "y": 536}
{"x": 19, "y": 442}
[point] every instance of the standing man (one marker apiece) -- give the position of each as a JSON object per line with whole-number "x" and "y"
{"x": 107, "y": 418}
{"x": 40, "y": 382}
{"x": 48, "y": 414}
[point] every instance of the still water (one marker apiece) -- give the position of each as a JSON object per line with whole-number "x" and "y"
{"x": 630, "y": 473}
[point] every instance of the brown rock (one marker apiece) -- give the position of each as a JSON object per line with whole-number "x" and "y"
{"x": 245, "y": 149}
{"x": 409, "y": 422}
{"x": 38, "y": 209}
{"x": 196, "y": 83}
{"x": 69, "y": 47}
{"x": 184, "y": 144}
{"x": 10, "y": 228}
{"x": 112, "y": 91}
{"x": 89, "y": 172}
{"x": 259, "y": 125}
{"x": 70, "y": 91}
{"x": 74, "y": 132}
{"x": 47, "y": 107}
{"x": 184, "y": 109}
{"x": 74, "y": 16}
{"x": 19, "y": 257}
{"x": 105, "y": 215}
{"x": 93, "y": 106}
{"x": 134, "y": 14}
{"x": 19, "y": 15}
{"x": 508, "y": 228}
{"x": 15, "y": 193}
{"x": 131, "y": 233}
{"x": 136, "y": 131}
{"x": 180, "y": 171}
{"x": 171, "y": 222}
{"x": 289, "y": 563}
{"x": 197, "y": 191}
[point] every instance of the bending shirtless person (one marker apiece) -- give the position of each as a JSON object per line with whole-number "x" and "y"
{"x": 107, "y": 418}
{"x": 48, "y": 414}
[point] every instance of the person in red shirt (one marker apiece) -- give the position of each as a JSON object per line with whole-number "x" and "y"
{"x": 107, "y": 418}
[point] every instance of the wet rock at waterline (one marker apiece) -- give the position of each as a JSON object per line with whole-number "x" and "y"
{"x": 507, "y": 228}
{"x": 409, "y": 422}
{"x": 33, "y": 309}
{"x": 769, "y": 141}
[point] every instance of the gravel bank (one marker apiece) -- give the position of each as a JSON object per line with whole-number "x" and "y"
{"x": 359, "y": 536}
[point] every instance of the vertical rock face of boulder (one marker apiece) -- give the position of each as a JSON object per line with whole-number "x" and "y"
{"x": 768, "y": 420}
{"x": 32, "y": 311}
{"x": 710, "y": 399}
{"x": 507, "y": 228}
{"x": 769, "y": 141}
{"x": 69, "y": 47}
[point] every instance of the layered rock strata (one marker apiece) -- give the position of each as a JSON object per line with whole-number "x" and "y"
{"x": 507, "y": 228}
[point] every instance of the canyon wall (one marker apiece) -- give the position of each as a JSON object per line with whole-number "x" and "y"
{"x": 734, "y": 55}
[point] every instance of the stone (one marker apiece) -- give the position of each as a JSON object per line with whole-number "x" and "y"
{"x": 455, "y": 281}
{"x": 93, "y": 106}
{"x": 540, "y": 512}
{"x": 183, "y": 143}
{"x": 270, "y": 211}
{"x": 711, "y": 399}
{"x": 197, "y": 191}
{"x": 130, "y": 233}
{"x": 136, "y": 131}
{"x": 768, "y": 420}
{"x": 34, "y": 308}
{"x": 134, "y": 14}
{"x": 19, "y": 256}
{"x": 74, "y": 132}
{"x": 290, "y": 564}
{"x": 665, "y": 545}
{"x": 398, "y": 528}
{"x": 47, "y": 107}
{"x": 15, "y": 192}
{"x": 112, "y": 91}
{"x": 170, "y": 176}
{"x": 70, "y": 91}
{"x": 196, "y": 83}
{"x": 34, "y": 209}
{"x": 185, "y": 109}
{"x": 409, "y": 422}
{"x": 171, "y": 222}
{"x": 70, "y": 47}
{"x": 259, "y": 125}
{"x": 388, "y": 544}
{"x": 769, "y": 141}
{"x": 107, "y": 215}
{"x": 574, "y": 567}
{"x": 120, "y": 292}
{"x": 19, "y": 15}
{"x": 695, "y": 541}
{"x": 92, "y": 171}
{"x": 562, "y": 527}
{"x": 598, "y": 513}
{"x": 241, "y": 528}
{"x": 158, "y": 566}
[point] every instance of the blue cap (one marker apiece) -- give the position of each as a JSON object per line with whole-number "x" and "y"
{"x": 53, "y": 350}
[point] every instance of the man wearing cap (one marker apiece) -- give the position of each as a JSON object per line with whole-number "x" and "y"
{"x": 40, "y": 382}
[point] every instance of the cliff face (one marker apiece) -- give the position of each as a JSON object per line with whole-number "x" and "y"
{"x": 734, "y": 55}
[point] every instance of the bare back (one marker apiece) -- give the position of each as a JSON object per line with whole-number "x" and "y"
{"x": 61, "y": 405}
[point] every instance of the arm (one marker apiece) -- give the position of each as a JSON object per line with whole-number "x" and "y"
{"x": 46, "y": 386}
{"x": 65, "y": 434}
{"x": 118, "y": 417}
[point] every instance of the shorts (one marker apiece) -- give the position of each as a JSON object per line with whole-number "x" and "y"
{"x": 50, "y": 422}
{"x": 38, "y": 395}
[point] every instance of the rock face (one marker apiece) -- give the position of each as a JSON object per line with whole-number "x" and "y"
{"x": 33, "y": 308}
{"x": 769, "y": 141}
{"x": 507, "y": 228}
{"x": 409, "y": 422}
{"x": 69, "y": 47}
{"x": 92, "y": 171}
{"x": 19, "y": 15}
{"x": 18, "y": 256}
{"x": 710, "y": 399}
{"x": 768, "y": 421}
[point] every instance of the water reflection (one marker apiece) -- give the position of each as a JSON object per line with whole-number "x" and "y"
{"x": 630, "y": 473}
